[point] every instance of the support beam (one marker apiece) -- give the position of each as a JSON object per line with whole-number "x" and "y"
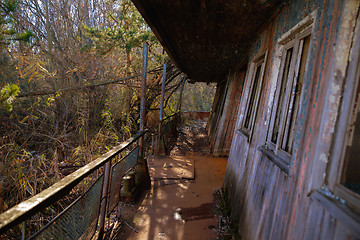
{"x": 178, "y": 106}
{"x": 160, "y": 145}
{"x": 143, "y": 88}
{"x": 162, "y": 91}
{"x": 142, "y": 169}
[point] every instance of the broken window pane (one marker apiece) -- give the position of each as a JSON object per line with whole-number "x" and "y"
{"x": 284, "y": 81}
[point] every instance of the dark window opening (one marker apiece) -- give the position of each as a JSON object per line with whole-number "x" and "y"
{"x": 288, "y": 136}
{"x": 284, "y": 81}
{"x": 351, "y": 173}
{"x": 254, "y": 92}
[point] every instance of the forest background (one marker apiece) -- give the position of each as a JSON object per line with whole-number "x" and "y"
{"x": 66, "y": 96}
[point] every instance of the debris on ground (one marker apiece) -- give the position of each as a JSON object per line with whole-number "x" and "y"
{"x": 192, "y": 138}
{"x": 227, "y": 229}
{"x": 178, "y": 208}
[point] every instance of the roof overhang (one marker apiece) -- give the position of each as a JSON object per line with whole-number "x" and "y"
{"x": 206, "y": 38}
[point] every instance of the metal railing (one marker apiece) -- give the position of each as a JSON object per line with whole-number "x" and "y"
{"x": 167, "y": 129}
{"x": 87, "y": 214}
{"x": 168, "y": 125}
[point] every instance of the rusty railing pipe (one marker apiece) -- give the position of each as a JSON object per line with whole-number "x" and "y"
{"x": 104, "y": 200}
{"x": 162, "y": 92}
{"x": 45, "y": 198}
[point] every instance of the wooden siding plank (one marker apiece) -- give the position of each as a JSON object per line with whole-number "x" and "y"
{"x": 269, "y": 185}
{"x": 340, "y": 211}
{"x": 268, "y": 221}
{"x": 297, "y": 229}
{"x": 318, "y": 222}
{"x": 284, "y": 208}
{"x": 340, "y": 232}
{"x": 312, "y": 216}
{"x": 276, "y": 221}
{"x": 327, "y": 226}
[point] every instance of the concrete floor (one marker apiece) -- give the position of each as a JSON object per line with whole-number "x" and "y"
{"x": 178, "y": 209}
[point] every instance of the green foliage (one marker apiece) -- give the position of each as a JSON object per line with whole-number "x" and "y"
{"x": 7, "y": 95}
{"x": 198, "y": 97}
{"x": 9, "y": 31}
{"x": 9, "y": 6}
{"x": 126, "y": 30}
{"x": 73, "y": 127}
{"x": 7, "y": 19}
{"x": 108, "y": 120}
{"x": 25, "y": 36}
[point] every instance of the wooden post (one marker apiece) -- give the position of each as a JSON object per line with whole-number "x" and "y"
{"x": 214, "y": 134}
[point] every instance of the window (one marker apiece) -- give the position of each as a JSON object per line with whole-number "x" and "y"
{"x": 336, "y": 175}
{"x": 254, "y": 83}
{"x": 294, "y": 56}
{"x": 344, "y": 175}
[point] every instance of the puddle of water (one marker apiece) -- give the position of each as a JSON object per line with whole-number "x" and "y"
{"x": 204, "y": 211}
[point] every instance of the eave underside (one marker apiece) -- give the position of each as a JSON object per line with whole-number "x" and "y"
{"x": 206, "y": 38}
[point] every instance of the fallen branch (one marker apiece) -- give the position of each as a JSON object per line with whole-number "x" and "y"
{"x": 50, "y": 92}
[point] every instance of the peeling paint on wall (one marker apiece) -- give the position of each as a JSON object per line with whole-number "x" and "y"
{"x": 273, "y": 204}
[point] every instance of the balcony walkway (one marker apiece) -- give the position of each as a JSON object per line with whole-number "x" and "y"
{"x": 177, "y": 208}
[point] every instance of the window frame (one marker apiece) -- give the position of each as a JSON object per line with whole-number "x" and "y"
{"x": 259, "y": 61}
{"x": 292, "y": 39}
{"x": 342, "y": 132}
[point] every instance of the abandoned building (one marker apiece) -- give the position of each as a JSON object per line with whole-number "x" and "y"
{"x": 285, "y": 113}
{"x": 286, "y": 106}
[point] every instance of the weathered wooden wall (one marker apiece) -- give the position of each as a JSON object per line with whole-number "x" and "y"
{"x": 269, "y": 203}
{"x": 216, "y": 108}
{"x": 222, "y": 120}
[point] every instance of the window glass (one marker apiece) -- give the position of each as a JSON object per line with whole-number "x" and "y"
{"x": 284, "y": 80}
{"x": 289, "y": 88}
{"x": 351, "y": 173}
{"x": 254, "y": 92}
{"x": 288, "y": 138}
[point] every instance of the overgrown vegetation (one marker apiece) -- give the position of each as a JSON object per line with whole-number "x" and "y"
{"x": 228, "y": 226}
{"x": 197, "y": 93}
{"x": 50, "y": 50}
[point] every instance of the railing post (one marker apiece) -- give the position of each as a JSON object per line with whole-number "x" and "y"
{"x": 144, "y": 178}
{"x": 162, "y": 92}
{"x": 160, "y": 147}
{"x": 178, "y": 106}
{"x": 23, "y": 230}
{"x": 143, "y": 88}
{"x": 142, "y": 100}
{"x": 28, "y": 208}
{"x": 104, "y": 199}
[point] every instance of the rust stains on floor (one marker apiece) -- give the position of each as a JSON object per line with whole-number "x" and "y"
{"x": 178, "y": 208}
{"x": 171, "y": 167}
